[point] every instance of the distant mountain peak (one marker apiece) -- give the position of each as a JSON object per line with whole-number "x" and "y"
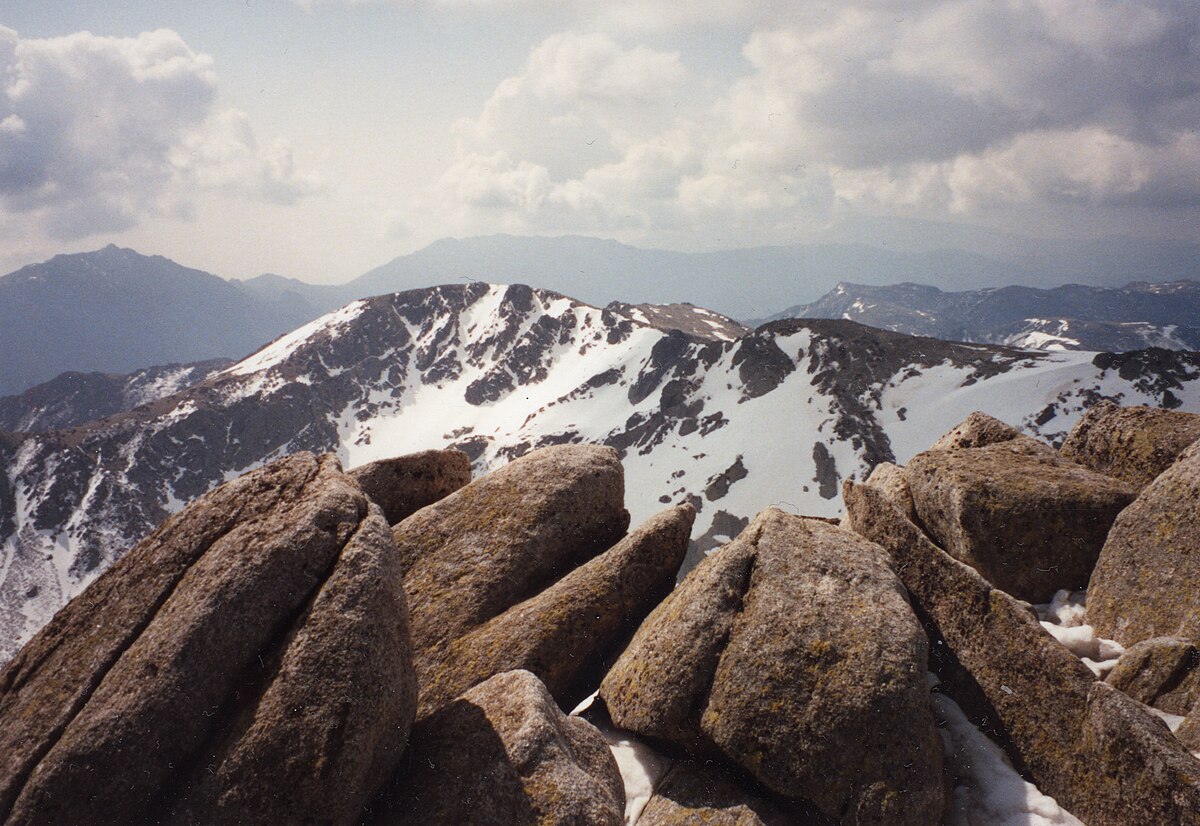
{"x": 1099, "y": 319}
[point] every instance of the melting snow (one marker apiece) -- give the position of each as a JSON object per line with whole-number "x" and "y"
{"x": 1065, "y": 619}
{"x": 990, "y": 792}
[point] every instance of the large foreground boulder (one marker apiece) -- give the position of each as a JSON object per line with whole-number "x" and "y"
{"x": 1029, "y": 522}
{"x": 1134, "y": 444}
{"x": 1162, "y": 672}
{"x": 563, "y": 633}
{"x": 405, "y": 484}
{"x": 505, "y": 537}
{"x": 793, "y": 651}
{"x": 504, "y": 754}
{"x": 1145, "y": 582}
{"x": 248, "y": 661}
{"x": 1101, "y": 755}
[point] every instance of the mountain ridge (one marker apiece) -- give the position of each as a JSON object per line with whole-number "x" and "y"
{"x": 1072, "y": 316}
{"x": 115, "y": 310}
{"x": 780, "y": 415}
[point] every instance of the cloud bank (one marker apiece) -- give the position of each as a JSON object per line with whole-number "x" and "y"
{"x": 97, "y": 133}
{"x": 932, "y": 109}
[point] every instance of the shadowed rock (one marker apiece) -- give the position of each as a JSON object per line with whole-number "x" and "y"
{"x": 220, "y": 640}
{"x": 505, "y": 537}
{"x": 504, "y": 754}
{"x": 1029, "y": 522}
{"x": 794, "y": 652}
{"x": 1102, "y": 758}
{"x": 405, "y": 484}
{"x": 1134, "y": 444}
{"x": 1162, "y": 672}
{"x": 563, "y": 634}
{"x": 1145, "y": 582}
{"x": 693, "y": 792}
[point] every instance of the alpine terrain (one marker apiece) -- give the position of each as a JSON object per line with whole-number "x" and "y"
{"x": 701, "y": 411}
{"x": 1071, "y": 317}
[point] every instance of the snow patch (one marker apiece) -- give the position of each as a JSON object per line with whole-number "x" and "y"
{"x": 990, "y": 792}
{"x": 1064, "y": 618}
{"x": 278, "y": 350}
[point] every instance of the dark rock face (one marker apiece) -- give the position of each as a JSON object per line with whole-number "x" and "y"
{"x": 503, "y": 539}
{"x": 827, "y": 477}
{"x": 1154, "y": 370}
{"x": 719, "y": 485}
{"x": 182, "y": 682}
{"x": 1029, "y": 522}
{"x": 1057, "y": 723}
{"x": 695, "y": 792}
{"x": 504, "y": 754}
{"x": 404, "y": 485}
{"x": 761, "y": 365}
{"x": 563, "y": 634}
{"x": 1134, "y": 444}
{"x": 1162, "y": 672}
{"x": 1144, "y": 584}
{"x": 773, "y": 651}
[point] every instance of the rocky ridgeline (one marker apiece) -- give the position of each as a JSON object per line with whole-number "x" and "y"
{"x": 399, "y": 644}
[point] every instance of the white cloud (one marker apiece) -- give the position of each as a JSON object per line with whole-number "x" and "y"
{"x": 939, "y": 108}
{"x": 96, "y": 133}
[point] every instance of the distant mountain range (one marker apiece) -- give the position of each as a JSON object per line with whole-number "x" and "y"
{"x": 728, "y": 420}
{"x": 116, "y": 311}
{"x": 1073, "y": 317}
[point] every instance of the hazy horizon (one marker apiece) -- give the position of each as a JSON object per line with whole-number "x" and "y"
{"x": 320, "y": 139}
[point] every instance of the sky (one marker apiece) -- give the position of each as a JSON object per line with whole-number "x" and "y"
{"x": 319, "y": 138}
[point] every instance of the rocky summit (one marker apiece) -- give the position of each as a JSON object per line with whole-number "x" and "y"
{"x": 406, "y": 644}
{"x": 700, "y": 412}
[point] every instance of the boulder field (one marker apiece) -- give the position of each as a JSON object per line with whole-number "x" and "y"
{"x": 401, "y": 644}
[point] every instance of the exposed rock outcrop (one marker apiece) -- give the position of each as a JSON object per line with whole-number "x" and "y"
{"x": 505, "y": 537}
{"x": 1134, "y": 444}
{"x": 405, "y": 484}
{"x": 504, "y": 754}
{"x": 793, "y": 651}
{"x": 563, "y": 634}
{"x": 1162, "y": 672}
{"x": 1101, "y": 755}
{"x": 247, "y": 660}
{"x": 1029, "y": 522}
{"x": 1144, "y": 584}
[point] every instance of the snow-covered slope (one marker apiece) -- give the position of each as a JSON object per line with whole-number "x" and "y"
{"x": 777, "y": 416}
